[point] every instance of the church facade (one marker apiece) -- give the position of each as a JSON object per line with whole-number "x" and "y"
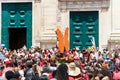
{"x": 34, "y": 22}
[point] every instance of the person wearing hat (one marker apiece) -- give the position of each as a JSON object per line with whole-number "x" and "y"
{"x": 8, "y": 67}
{"x": 74, "y": 71}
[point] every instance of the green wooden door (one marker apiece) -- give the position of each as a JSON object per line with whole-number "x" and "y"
{"x": 83, "y": 26}
{"x": 16, "y": 15}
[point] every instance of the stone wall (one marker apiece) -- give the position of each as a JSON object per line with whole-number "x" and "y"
{"x": 50, "y": 14}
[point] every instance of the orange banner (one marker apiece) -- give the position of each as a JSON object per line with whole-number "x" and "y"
{"x": 66, "y": 41}
{"x": 62, "y": 41}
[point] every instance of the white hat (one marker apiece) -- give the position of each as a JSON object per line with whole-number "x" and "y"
{"x": 6, "y": 60}
{"x": 73, "y": 69}
{"x": 77, "y": 48}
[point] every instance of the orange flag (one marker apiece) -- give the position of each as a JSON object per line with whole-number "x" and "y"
{"x": 66, "y": 41}
{"x": 62, "y": 41}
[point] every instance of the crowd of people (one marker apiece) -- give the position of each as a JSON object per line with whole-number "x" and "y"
{"x": 49, "y": 64}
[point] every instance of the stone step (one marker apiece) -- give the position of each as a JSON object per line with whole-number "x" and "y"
{"x": 49, "y": 33}
{"x": 49, "y": 36}
{"x": 48, "y": 39}
{"x": 115, "y": 36}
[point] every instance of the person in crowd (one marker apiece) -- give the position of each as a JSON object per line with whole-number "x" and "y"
{"x": 43, "y": 77}
{"x": 78, "y": 64}
{"x": 116, "y": 74}
{"x": 74, "y": 71}
{"x": 10, "y": 75}
{"x": 53, "y": 66}
{"x": 105, "y": 74}
{"x": 29, "y": 73}
{"x": 8, "y": 67}
{"x": 1, "y": 69}
{"x": 17, "y": 75}
{"x": 62, "y": 73}
{"x": 46, "y": 71}
{"x": 54, "y": 75}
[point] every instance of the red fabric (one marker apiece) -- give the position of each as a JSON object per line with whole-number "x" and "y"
{"x": 78, "y": 77}
{"x": 71, "y": 78}
{"x": 8, "y": 62}
{"x": 0, "y": 73}
{"x": 41, "y": 64}
{"x": 86, "y": 76}
{"x": 50, "y": 76}
{"x": 82, "y": 65}
{"x": 116, "y": 76}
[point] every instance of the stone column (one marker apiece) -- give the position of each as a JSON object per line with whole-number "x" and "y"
{"x": 115, "y": 25}
{"x": 115, "y": 16}
{"x": 49, "y": 12}
{"x": 37, "y": 27}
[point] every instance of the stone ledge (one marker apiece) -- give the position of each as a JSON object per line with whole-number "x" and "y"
{"x": 82, "y": 0}
{"x": 84, "y": 4}
{"x": 114, "y": 41}
{"x": 115, "y": 36}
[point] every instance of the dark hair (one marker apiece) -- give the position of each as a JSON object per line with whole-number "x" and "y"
{"x": 54, "y": 73}
{"x": 46, "y": 70}
{"x": 53, "y": 64}
{"x": 106, "y": 72}
{"x": 61, "y": 73}
{"x": 17, "y": 74}
{"x": 29, "y": 64}
{"x": 9, "y": 75}
{"x": 13, "y": 79}
{"x": 43, "y": 77}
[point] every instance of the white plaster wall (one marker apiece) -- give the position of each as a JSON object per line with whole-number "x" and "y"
{"x": 104, "y": 28}
{"x": 64, "y": 20}
{"x": 49, "y": 23}
{"x": 115, "y": 16}
{"x": 49, "y": 13}
{"x": 37, "y": 27}
{"x": 115, "y": 24}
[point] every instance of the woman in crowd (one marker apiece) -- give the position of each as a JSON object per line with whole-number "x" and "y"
{"x": 62, "y": 73}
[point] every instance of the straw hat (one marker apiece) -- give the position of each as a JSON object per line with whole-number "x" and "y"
{"x": 73, "y": 69}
